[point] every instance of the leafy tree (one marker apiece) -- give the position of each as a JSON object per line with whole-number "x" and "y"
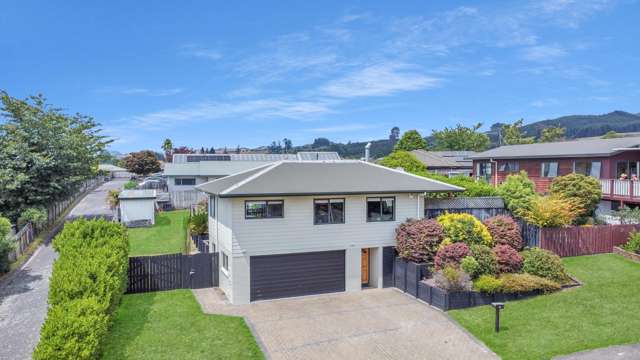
{"x": 142, "y": 162}
{"x": 167, "y": 145}
{"x": 584, "y": 190}
{"x": 461, "y": 138}
{"x": 288, "y": 145}
{"x": 36, "y": 216}
{"x": 551, "y": 134}
{"x": 518, "y": 192}
{"x": 512, "y": 134}
{"x": 405, "y": 160}
{"x": 6, "y": 244}
{"x": 320, "y": 142}
{"x": 113, "y": 198}
{"x": 238, "y": 149}
{"x": 611, "y": 135}
{"x": 45, "y": 154}
{"x": 202, "y": 149}
{"x": 551, "y": 211}
{"x": 183, "y": 150}
{"x": 394, "y": 135}
{"x": 411, "y": 140}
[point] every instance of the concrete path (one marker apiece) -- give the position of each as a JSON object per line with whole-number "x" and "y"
{"x": 371, "y": 324}
{"x": 621, "y": 352}
{"x": 23, "y": 296}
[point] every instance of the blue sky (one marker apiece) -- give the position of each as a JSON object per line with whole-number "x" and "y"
{"x": 207, "y": 73}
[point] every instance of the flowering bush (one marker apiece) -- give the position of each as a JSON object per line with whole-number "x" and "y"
{"x": 418, "y": 240}
{"x": 508, "y": 260}
{"x": 464, "y": 228}
{"x": 552, "y": 211}
{"x": 504, "y": 230}
{"x": 451, "y": 255}
{"x": 543, "y": 263}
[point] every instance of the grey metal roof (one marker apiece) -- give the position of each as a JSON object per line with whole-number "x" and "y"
{"x": 461, "y": 157}
{"x": 303, "y": 155}
{"x": 211, "y": 168}
{"x": 322, "y": 177}
{"x": 110, "y": 167}
{"x": 432, "y": 160}
{"x": 487, "y": 202}
{"x": 137, "y": 194}
{"x": 576, "y": 148}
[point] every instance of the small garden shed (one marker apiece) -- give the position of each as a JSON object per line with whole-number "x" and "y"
{"x": 137, "y": 207}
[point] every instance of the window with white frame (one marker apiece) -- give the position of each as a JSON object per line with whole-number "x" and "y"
{"x": 225, "y": 262}
{"x": 549, "y": 169}
{"x": 328, "y": 211}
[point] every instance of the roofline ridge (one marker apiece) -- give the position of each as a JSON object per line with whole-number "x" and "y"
{"x": 224, "y": 177}
{"x": 414, "y": 175}
{"x": 252, "y": 177}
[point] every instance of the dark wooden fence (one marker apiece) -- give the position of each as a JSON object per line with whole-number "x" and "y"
{"x": 172, "y": 271}
{"x": 480, "y": 207}
{"x": 585, "y": 240}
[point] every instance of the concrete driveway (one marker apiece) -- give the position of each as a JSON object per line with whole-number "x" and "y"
{"x": 372, "y": 324}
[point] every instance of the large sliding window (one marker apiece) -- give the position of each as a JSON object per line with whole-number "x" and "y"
{"x": 587, "y": 167}
{"x": 263, "y": 209}
{"x": 549, "y": 169}
{"x": 509, "y": 166}
{"x": 328, "y": 211}
{"x": 381, "y": 209}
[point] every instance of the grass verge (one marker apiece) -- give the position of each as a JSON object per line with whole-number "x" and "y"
{"x": 167, "y": 236}
{"x": 601, "y": 313}
{"x": 171, "y": 325}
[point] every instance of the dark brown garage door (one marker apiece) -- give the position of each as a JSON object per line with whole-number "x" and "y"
{"x": 279, "y": 276}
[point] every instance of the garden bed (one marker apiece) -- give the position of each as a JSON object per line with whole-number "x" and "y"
{"x": 628, "y": 254}
{"x": 409, "y": 276}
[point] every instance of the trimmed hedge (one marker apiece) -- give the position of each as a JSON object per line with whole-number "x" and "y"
{"x": 504, "y": 230}
{"x": 451, "y": 255}
{"x": 88, "y": 280}
{"x": 545, "y": 264}
{"x": 509, "y": 261}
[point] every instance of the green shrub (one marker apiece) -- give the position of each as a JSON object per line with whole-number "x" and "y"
{"x": 405, "y": 160}
{"x": 130, "y": 185}
{"x": 585, "y": 191}
{"x": 628, "y": 215}
{"x": 485, "y": 258}
{"x": 504, "y": 230}
{"x": 199, "y": 223}
{"x": 74, "y": 330}
{"x": 488, "y": 284}
{"x": 452, "y": 279}
{"x": 451, "y": 255}
{"x": 633, "y": 245}
{"x": 418, "y": 240}
{"x": 508, "y": 260}
{"x": 88, "y": 280}
{"x": 520, "y": 283}
{"x": 551, "y": 211}
{"x": 517, "y": 191}
{"x": 470, "y": 265}
{"x": 544, "y": 263}
{"x": 6, "y": 244}
{"x": 464, "y": 228}
{"x": 35, "y": 216}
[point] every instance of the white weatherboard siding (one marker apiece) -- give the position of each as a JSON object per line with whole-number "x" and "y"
{"x": 242, "y": 238}
{"x": 137, "y": 209}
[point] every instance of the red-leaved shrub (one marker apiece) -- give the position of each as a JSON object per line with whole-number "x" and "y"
{"x": 504, "y": 231}
{"x": 451, "y": 255}
{"x": 509, "y": 261}
{"x": 418, "y": 240}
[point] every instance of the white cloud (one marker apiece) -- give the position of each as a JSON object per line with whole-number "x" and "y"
{"x": 200, "y": 51}
{"x": 543, "y": 53}
{"x": 341, "y": 128}
{"x": 570, "y": 13}
{"x": 379, "y": 80}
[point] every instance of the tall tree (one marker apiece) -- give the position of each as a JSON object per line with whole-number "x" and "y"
{"x": 551, "y": 134}
{"x": 461, "y": 138}
{"x": 288, "y": 145}
{"x": 142, "y": 162}
{"x": 167, "y": 146}
{"x": 512, "y": 134}
{"x": 394, "y": 135}
{"x": 411, "y": 140}
{"x": 44, "y": 153}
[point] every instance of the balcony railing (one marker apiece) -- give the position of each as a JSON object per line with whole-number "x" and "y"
{"x": 620, "y": 189}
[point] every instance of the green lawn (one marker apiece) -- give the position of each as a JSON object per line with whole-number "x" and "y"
{"x": 167, "y": 236}
{"x": 171, "y": 325}
{"x": 603, "y": 312}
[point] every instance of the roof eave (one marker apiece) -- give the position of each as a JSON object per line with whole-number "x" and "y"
{"x": 222, "y": 195}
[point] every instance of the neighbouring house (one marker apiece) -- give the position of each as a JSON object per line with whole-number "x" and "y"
{"x": 449, "y": 163}
{"x": 613, "y": 161}
{"x": 296, "y": 228}
{"x": 115, "y": 171}
{"x": 137, "y": 207}
{"x": 188, "y": 170}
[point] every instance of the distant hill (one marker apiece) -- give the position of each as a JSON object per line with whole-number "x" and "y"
{"x": 578, "y": 126}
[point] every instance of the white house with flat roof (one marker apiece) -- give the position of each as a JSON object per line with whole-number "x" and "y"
{"x": 296, "y": 228}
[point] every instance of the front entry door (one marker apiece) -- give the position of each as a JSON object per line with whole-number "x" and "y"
{"x": 365, "y": 267}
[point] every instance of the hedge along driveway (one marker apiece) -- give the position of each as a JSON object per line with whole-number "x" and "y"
{"x": 171, "y": 325}
{"x": 167, "y": 236}
{"x": 603, "y": 312}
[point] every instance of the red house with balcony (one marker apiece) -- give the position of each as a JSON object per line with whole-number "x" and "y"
{"x": 615, "y": 162}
